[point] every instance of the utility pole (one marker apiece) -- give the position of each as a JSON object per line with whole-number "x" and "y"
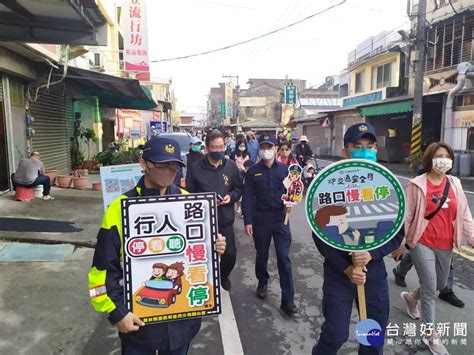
{"x": 415, "y": 149}
{"x": 237, "y": 95}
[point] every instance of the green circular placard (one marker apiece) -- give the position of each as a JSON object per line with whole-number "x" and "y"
{"x": 372, "y": 197}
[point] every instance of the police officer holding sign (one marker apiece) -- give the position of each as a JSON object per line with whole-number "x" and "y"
{"x": 342, "y": 270}
{"x": 160, "y": 161}
{"x": 264, "y": 215}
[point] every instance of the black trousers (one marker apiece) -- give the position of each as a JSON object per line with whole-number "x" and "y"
{"x": 230, "y": 255}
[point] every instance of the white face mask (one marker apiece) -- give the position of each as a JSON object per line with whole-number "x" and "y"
{"x": 242, "y": 149}
{"x": 266, "y": 154}
{"x": 442, "y": 165}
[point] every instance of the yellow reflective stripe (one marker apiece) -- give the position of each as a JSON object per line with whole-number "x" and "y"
{"x": 184, "y": 192}
{"x": 100, "y": 301}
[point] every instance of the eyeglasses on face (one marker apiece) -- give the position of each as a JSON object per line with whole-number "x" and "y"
{"x": 168, "y": 165}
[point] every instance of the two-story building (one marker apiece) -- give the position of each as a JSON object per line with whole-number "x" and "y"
{"x": 374, "y": 89}
{"x": 47, "y": 92}
{"x": 261, "y": 105}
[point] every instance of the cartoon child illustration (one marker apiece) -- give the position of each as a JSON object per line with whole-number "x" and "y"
{"x": 174, "y": 273}
{"x": 331, "y": 217}
{"x": 294, "y": 184}
{"x": 159, "y": 271}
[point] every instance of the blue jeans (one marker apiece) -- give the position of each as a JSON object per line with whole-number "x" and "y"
{"x": 140, "y": 349}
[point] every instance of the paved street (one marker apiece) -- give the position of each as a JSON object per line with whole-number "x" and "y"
{"x": 248, "y": 325}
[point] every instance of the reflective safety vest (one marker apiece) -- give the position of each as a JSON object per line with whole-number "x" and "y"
{"x": 106, "y": 273}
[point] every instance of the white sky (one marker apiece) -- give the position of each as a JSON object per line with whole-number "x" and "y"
{"x": 312, "y": 50}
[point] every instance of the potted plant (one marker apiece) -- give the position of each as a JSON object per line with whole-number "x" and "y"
{"x": 51, "y": 173}
{"x": 64, "y": 181}
{"x": 88, "y": 135}
{"x": 97, "y": 186}
{"x": 79, "y": 181}
{"x": 76, "y": 156}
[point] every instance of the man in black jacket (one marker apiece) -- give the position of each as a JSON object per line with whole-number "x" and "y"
{"x": 217, "y": 174}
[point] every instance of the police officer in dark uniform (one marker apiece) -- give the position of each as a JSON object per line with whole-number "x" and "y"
{"x": 264, "y": 215}
{"x": 340, "y": 276}
{"x": 160, "y": 162}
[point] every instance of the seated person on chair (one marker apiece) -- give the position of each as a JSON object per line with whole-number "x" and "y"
{"x": 30, "y": 173}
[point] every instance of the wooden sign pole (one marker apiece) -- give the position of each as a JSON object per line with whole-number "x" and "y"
{"x": 361, "y": 298}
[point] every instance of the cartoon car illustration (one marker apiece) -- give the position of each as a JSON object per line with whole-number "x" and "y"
{"x": 159, "y": 293}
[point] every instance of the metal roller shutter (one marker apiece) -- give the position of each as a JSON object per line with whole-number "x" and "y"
{"x": 316, "y": 135}
{"x": 51, "y": 136}
{"x": 1, "y": 88}
{"x": 69, "y": 124}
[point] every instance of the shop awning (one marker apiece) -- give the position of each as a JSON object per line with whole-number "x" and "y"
{"x": 112, "y": 91}
{"x": 387, "y": 108}
{"x": 54, "y": 21}
{"x": 166, "y": 104}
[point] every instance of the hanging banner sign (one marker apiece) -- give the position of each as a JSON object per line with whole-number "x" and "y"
{"x": 290, "y": 94}
{"x": 355, "y": 205}
{"x": 229, "y": 101}
{"x": 135, "y": 29}
{"x": 171, "y": 269}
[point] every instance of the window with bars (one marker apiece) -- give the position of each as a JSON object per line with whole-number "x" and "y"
{"x": 97, "y": 60}
{"x": 450, "y": 42}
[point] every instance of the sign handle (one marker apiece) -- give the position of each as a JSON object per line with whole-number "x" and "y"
{"x": 287, "y": 217}
{"x": 361, "y": 298}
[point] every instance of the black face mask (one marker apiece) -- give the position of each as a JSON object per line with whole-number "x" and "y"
{"x": 216, "y": 155}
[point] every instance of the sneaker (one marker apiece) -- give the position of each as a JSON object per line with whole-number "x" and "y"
{"x": 399, "y": 281}
{"x": 412, "y": 307}
{"x": 47, "y": 198}
{"x": 262, "y": 290}
{"x": 289, "y": 308}
{"x": 226, "y": 284}
{"x": 451, "y": 298}
{"x": 435, "y": 345}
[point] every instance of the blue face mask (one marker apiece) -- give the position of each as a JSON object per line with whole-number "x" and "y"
{"x": 364, "y": 153}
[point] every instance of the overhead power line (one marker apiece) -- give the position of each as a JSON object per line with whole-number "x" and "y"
{"x": 253, "y": 38}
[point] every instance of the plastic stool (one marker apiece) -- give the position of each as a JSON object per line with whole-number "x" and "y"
{"x": 24, "y": 193}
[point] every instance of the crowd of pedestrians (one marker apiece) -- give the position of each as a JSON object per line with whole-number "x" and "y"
{"x": 247, "y": 173}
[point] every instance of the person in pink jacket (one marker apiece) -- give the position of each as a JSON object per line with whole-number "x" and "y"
{"x": 437, "y": 218}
